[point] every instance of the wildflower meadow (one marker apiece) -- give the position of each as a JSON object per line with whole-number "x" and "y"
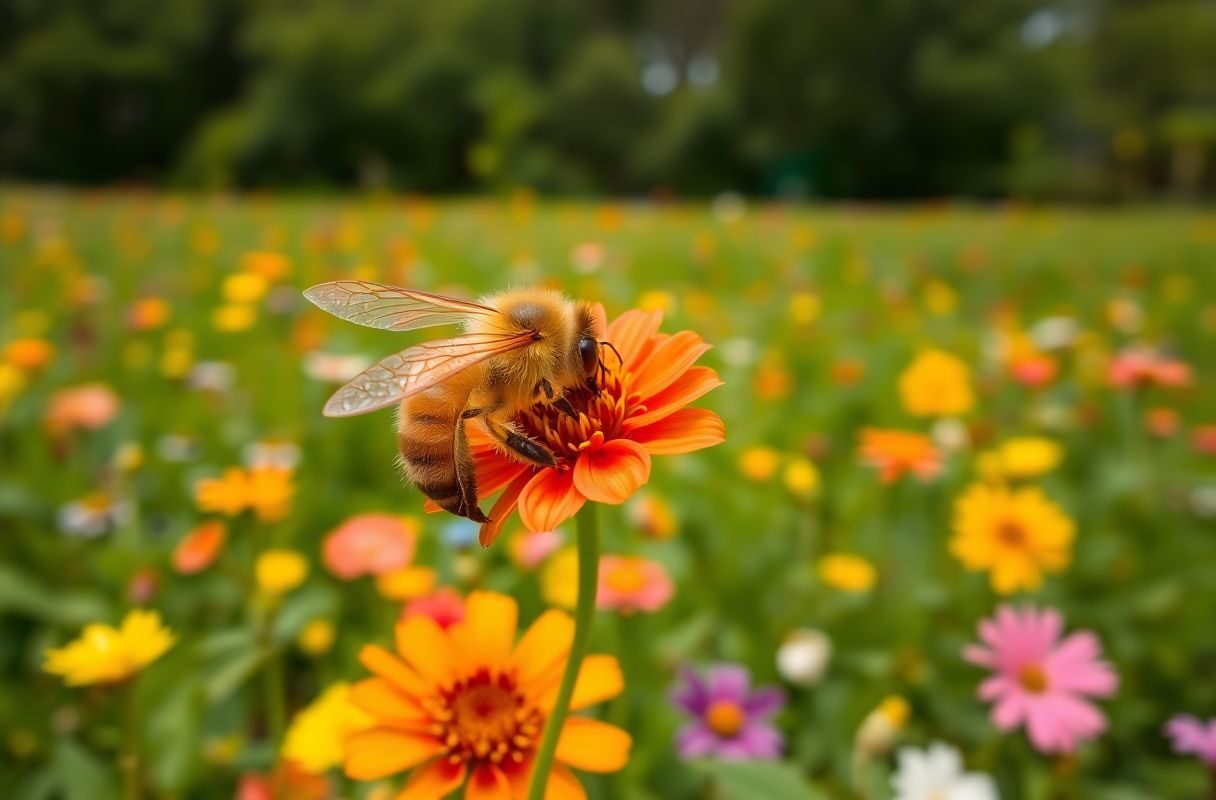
{"x": 907, "y": 503}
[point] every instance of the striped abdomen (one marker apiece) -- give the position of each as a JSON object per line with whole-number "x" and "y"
{"x": 434, "y": 450}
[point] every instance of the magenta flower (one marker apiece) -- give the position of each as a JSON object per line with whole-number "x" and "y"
{"x": 729, "y": 719}
{"x": 1040, "y": 681}
{"x": 1193, "y": 737}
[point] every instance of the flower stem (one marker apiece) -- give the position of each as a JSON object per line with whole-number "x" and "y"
{"x": 130, "y": 755}
{"x": 587, "y": 523}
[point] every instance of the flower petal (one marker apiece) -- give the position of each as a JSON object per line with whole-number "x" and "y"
{"x": 487, "y": 633}
{"x": 381, "y": 662}
{"x": 543, "y": 645}
{"x": 380, "y": 752}
{"x": 668, "y": 361}
{"x": 631, "y": 331}
{"x": 593, "y": 746}
{"x": 488, "y": 782}
{"x": 382, "y": 699}
{"x": 502, "y": 509}
{"x": 599, "y": 679}
{"x": 613, "y": 472}
{"x": 563, "y": 785}
{"x": 427, "y": 648}
{"x": 686, "y": 388}
{"x": 493, "y": 470}
{"x": 684, "y": 431}
{"x": 437, "y": 779}
{"x": 549, "y": 499}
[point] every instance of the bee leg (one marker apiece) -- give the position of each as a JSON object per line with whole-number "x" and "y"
{"x": 546, "y": 387}
{"x": 592, "y": 386}
{"x": 563, "y": 405}
{"x": 519, "y": 445}
{"x": 466, "y": 477}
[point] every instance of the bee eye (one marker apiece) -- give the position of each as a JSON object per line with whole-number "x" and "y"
{"x": 589, "y": 351}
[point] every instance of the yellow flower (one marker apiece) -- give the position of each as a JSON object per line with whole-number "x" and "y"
{"x": 801, "y": 477}
{"x": 233, "y": 318}
{"x": 269, "y": 266}
{"x": 317, "y": 637}
{"x": 657, "y": 300}
{"x": 559, "y": 578}
{"x": 314, "y": 740}
{"x": 12, "y": 382}
{"x": 848, "y": 573}
{"x": 1024, "y": 457}
{"x": 228, "y": 494}
{"x": 653, "y": 516}
{"x": 940, "y": 299}
{"x": 244, "y": 288}
{"x": 759, "y": 463}
{"x": 1015, "y": 535}
{"x": 280, "y": 571}
{"x": 804, "y": 308}
{"x": 936, "y": 384}
{"x": 406, "y": 583}
{"x": 881, "y": 728}
{"x": 104, "y": 654}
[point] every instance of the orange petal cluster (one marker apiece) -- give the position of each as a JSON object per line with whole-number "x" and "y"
{"x": 466, "y": 705}
{"x": 895, "y": 453}
{"x": 604, "y": 455}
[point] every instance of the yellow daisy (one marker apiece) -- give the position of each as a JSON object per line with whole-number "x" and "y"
{"x": 1015, "y": 535}
{"x": 104, "y": 654}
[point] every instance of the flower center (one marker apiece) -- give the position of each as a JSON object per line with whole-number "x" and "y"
{"x": 1033, "y": 679}
{"x": 486, "y": 717}
{"x": 605, "y": 412}
{"x": 724, "y": 717}
{"x": 626, "y": 578}
{"x": 1011, "y": 533}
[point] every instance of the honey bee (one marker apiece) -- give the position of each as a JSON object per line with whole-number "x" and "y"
{"x": 519, "y": 347}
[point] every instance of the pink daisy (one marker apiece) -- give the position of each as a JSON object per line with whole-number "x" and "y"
{"x": 1041, "y": 681}
{"x": 370, "y": 544}
{"x": 630, "y": 584}
{"x": 1192, "y": 736}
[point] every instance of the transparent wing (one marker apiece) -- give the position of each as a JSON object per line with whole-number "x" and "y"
{"x": 390, "y": 308}
{"x": 410, "y": 371}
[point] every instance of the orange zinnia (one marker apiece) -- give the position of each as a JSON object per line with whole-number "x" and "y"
{"x": 468, "y": 704}
{"x": 199, "y": 548}
{"x": 604, "y": 456}
{"x": 895, "y": 453}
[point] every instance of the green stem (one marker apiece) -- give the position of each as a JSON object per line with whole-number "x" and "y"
{"x": 130, "y": 755}
{"x": 276, "y": 715}
{"x": 587, "y": 523}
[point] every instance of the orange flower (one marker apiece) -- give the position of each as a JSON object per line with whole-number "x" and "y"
{"x": 29, "y": 355}
{"x": 896, "y": 453}
{"x": 466, "y": 706}
{"x": 264, "y": 490}
{"x": 199, "y": 548}
{"x": 605, "y": 455}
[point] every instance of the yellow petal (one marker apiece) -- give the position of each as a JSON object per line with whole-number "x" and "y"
{"x": 427, "y": 648}
{"x": 488, "y": 631}
{"x": 593, "y": 746}
{"x": 380, "y": 752}
{"x": 545, "y": 643}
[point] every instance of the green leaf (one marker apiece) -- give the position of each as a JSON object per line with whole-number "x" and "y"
{"x": 301, "y": 609}
{"x": 231, "y": 675}
{"x": 748, "y": 780}
{"x": 21, "y": 594}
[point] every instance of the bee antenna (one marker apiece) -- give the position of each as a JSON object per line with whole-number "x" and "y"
{"x": 619, "y": 361}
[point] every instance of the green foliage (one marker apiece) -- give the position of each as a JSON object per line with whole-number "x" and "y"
{"x": 827, "y": 98}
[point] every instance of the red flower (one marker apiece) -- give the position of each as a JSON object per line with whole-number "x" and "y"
{"x": 604, "y": 456}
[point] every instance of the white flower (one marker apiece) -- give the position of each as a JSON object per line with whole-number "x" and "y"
{"x": 334, "y": 368}
{"x": 936, "y": 773}
{"x": 92, "y": 515}
{"x": 951, "y": 434}
{"x": 803, "y": 657}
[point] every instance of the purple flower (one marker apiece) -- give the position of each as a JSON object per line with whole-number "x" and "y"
{"x": 1193, "y": 737}
{"x": 729, "y": 719}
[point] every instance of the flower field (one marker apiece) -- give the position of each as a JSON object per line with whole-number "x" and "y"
{"x": 892, "y": 503}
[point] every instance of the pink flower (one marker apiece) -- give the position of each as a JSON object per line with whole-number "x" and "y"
{"x": 1040, "y": 681}
{"x": 444, "y": 606}
{"x": 370, "y": 544}
{"x": 630, "y": 584}
{"x": 86, "y": 407}
{"x": 1142, "y": 366}
{"x": 531, "y": 548}
{"x": 1191, "y": 736}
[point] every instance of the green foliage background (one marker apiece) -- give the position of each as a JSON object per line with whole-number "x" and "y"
{"x": 826, "y": 98}
{"x": 743, "y": 555}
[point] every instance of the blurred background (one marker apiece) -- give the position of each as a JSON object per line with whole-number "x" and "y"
{"x": 1068, "y": 99}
